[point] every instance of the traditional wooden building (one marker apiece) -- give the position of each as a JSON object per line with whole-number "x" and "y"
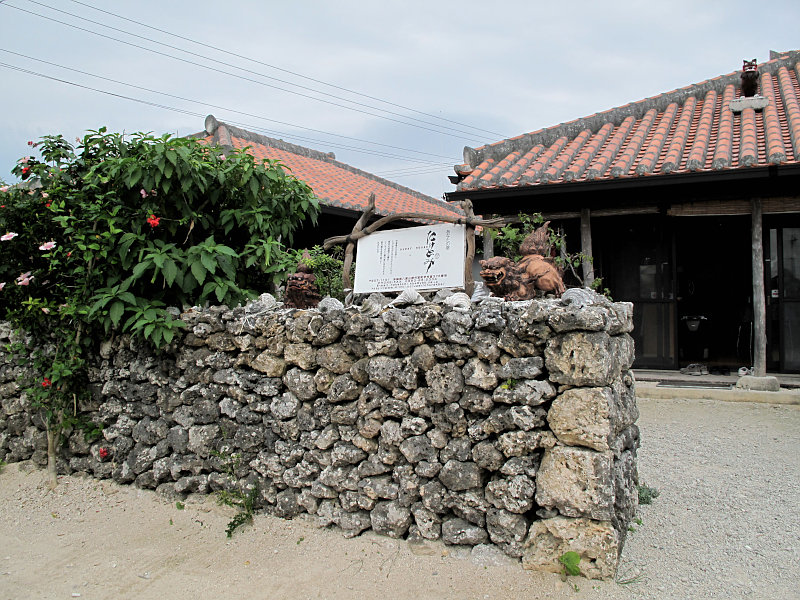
{"x": 690, "y": 204}
{"x": 343, "y": 190}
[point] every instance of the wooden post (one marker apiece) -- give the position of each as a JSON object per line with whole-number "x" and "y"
{"x": 347, "y": 284}
{"x": 759, "y": 303}
{"x": 586, "y": 248}
{"x": 469, "y": 283}
{"x": 488, "y": 243}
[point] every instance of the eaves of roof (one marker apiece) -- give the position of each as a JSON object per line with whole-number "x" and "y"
{"x": 688, "y": 135}
{"x": 336, "y": 184}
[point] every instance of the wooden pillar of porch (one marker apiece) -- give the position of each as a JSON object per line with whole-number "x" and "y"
{"x": 586, "y": 248}
{"x": 759, "y": 303}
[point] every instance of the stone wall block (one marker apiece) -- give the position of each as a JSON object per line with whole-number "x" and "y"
{"x": 595, "y": 541}
{"x": 577, "y": 482}
{"x": 301, "y": 355}
{"x": 582, "y": 417}
{"x": 586, "y": 359}
{"x": 572, "y": 318}
{"x": 270, "y": 365}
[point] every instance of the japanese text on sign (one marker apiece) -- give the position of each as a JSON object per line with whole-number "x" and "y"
{"x": 421, "y": 258}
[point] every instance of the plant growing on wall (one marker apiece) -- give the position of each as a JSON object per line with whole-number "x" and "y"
{"x": 103, "y": 237}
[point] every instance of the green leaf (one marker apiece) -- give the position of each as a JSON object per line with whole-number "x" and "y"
{"x": 170, "y": 270}
{"x": 116, "y": 311}
{"x": 570, "y": 560}
{"x": 209, "y": 262}
{"x": 199, "y": 272}
{"x": 220, "y": 291}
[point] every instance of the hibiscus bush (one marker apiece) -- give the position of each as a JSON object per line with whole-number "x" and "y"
{"x": 107, "y": 236}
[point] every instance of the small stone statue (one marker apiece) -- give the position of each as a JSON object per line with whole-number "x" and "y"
{"x": 520, "y": 281}
{"x": 301, "y": 287}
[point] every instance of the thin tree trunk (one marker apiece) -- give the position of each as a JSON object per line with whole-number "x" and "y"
{"x": 52, "y": 471}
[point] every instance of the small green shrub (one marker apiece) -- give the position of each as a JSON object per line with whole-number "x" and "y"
{"x": 570, "y": 561}
{"x": 647, "y": 494}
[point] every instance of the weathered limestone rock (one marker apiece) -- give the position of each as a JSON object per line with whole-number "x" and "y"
{"x": 595, "y": 542}
{"x": 390, "y": 518}
{"x": 577, "y": 482}
{"x": 270, "y": 365}
{"x": 460, "y": 531}
{"x": 588, "y": 359}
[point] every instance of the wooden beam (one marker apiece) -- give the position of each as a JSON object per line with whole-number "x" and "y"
{"x": 586, "y": 248}
{"x": 759, "y": 303}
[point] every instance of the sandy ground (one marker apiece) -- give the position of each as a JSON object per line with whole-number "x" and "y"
{"x": 726, "y": 525}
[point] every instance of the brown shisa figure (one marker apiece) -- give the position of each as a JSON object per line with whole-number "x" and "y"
{"x": 301, "y": 287}
{"x": 534, "y": 272}
{"x": 749, "y": 78}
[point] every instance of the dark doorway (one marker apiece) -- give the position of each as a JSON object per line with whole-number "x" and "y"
{"x": 714, "y": 292}
{"x": 634, "y": 256}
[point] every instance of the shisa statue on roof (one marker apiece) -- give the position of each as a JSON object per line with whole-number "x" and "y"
{"x": 534, "y": 272}
{"x": 301, "y": 287}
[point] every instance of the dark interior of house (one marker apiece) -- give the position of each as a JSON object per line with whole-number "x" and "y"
{"x": 714, "y": 292}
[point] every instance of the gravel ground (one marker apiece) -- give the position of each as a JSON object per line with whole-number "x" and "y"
{"x": 725, "y": 525}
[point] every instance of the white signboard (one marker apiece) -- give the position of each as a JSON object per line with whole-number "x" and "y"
{"x": 419, "y": 258}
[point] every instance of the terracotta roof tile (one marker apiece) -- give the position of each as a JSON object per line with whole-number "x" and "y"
{"x": 334, "y": 183}
{"x": 686, "y": 130}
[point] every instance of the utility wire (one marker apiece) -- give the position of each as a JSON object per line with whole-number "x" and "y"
{"x": 204, "y": 66}
{"x": 277, "y": 68}
{"x": 200, "y": 115}
{"x": 207, "y": 104}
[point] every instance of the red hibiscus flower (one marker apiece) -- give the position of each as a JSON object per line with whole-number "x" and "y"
{"x": 153, "y": 221}
{"x": 103, "y": 452}
{"x": 46, "y": 382}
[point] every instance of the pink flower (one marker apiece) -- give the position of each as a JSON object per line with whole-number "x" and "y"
{"x": 24, "y": 160}
{"x": 48, "y": 245}
{"x": 45, "y": 310}
{"x": 24, "y": 279}
{"x": 45, "y": 195}
{"x": 9, "y": 236}
{"x": 4, "y": 189}
{"x": 143, "y": 193}
{"x": 2, "y": 284}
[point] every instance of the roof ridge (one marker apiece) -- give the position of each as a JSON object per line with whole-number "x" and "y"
{"x": 522, "y": 143}
{"x": 212, "y": 127}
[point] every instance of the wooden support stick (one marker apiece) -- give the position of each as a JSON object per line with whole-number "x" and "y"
{"x": 469, "y": 284}
{"x": 586, "y": 248}
{"x": 759, "y": 302}
{"x": 347, "y": 284}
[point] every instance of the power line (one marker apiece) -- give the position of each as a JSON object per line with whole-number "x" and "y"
{"x": 200, "y": 115}
{"x": 290, "y": 72}
{"x": 204, "y": 66}
{"x": 207, "y": 104}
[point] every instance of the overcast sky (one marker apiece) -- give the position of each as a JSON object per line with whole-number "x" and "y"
{"x": 431, "y": 77}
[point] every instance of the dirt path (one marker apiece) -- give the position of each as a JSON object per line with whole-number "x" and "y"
{"x": 726, "y": 525}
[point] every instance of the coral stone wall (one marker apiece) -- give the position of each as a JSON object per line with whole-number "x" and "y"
{"x": 510, "y": 423}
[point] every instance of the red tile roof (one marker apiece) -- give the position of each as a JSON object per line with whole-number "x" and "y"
{"x": 692, "y": 129}
{"x": 334, "y": 183}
